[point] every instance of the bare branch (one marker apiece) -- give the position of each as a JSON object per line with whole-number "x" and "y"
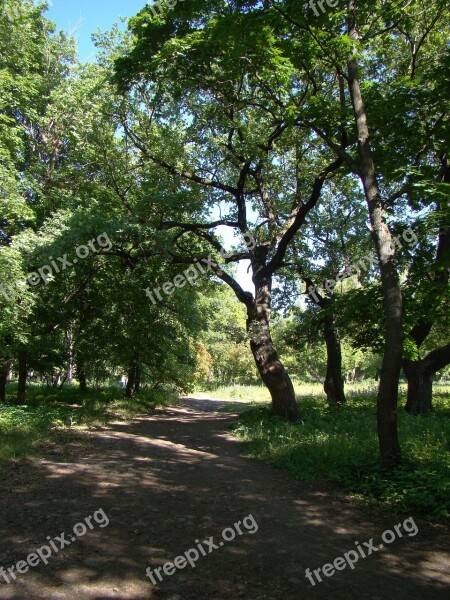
{"x": 243, "y": 296}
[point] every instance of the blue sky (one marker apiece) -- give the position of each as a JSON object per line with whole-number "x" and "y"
{"x": 86, "y": 16}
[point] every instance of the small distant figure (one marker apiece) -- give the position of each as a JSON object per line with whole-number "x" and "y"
{"x": 123, "y": 382}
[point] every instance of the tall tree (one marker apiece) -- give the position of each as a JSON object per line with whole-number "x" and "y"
{"x": 346, "y": 42}
{"x": 323, "y": 253}
{"x": 230, "y": 142}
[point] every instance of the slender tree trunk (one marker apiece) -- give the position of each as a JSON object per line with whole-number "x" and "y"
{"x": 269, "y": 366}
{"x": 314, "y": 374}
{"x": 392, "y": 297}
{"x": 22, "y": 368}
{"x": 137, "y": 380}
{"x": 57, "y": 380}
{"x": 131, "y": 381}
{"x": 82, "y": 379}
{"x": 334, "y": 382}
{"x": 3, "y": 380}
{"x": 69, "y": 343}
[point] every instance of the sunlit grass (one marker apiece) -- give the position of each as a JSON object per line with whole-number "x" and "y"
{"x": 241, "y": 393}
{"x": 340, "y": 445}
{"x": 49, "y": 413}
{"x": 259, "y": 393}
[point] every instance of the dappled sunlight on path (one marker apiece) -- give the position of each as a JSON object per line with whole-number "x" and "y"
{"x": 168, "y": 479}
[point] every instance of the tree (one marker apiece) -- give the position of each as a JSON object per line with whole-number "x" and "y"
{"x": 354, "y": 46}
{"x": 227, "y": 136}
{"x": 427, "y": 305}
{"x": 223, "y": 352}
{"x": 322, "y": 254}
{"x": 88, "y": 310}
{"x": 34, "y": 63}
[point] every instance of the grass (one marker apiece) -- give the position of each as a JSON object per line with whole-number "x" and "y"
{"x": 238, "y": 392}
{"x": 56, "y": 416}
{"x": 340, "y": 445}
{"x": 329, "y": 444}
{"x": 259, "y": 393}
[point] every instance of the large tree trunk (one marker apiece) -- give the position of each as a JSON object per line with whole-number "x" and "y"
{"x": 420, "y": 375}
{"x": 269, "y": 366}
{"x": 334, "y": 382}
{"x": 392, "y": 297}
{"x": 129, "y": 391}
{"x": 22, "y": 367}
{"x": 420, "y": 387}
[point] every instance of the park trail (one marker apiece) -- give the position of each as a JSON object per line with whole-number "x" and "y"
{"x": 177, "y": 476}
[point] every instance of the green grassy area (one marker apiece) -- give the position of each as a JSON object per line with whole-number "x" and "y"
{"x": 259, "y": 393}
{"x": 340, "y": 445}
{"x": 56, "y": 416}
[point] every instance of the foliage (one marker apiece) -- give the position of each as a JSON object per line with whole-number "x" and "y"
{"x": 223, "y": 355}
{"x": 224, "y": 112}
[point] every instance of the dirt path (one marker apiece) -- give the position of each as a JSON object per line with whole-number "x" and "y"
{"x": 167, "y": 480}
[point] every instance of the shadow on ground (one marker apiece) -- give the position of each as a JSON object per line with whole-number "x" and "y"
{"x": 175, "y": 477}
{"x": 200, "y": 403}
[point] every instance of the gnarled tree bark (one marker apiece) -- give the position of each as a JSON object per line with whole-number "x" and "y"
{"x": 268, "y": 363}
{"x": 420, "y": 375}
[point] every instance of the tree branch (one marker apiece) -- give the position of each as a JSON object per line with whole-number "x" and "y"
{"x": 188, "y": 175}
{"x": 299, "y": 214}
